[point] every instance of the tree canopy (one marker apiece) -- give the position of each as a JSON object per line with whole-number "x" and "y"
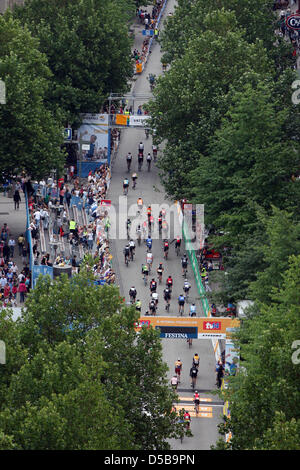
{"x": 88, "y": 49}
{"x": 79, "y": 376}
{"x": 30, "y": 134}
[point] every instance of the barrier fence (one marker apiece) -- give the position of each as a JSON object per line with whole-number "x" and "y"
{"x": 194, "y": 263}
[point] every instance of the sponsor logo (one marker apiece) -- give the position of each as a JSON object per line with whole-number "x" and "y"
{"x": 211, "y": 325}
{"x": 139, "y": 324}
{"x": 293, "y": 22}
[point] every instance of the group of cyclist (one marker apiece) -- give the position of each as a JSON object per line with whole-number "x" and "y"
{"x": 175, "y": 380}
{"x": 129, "y": 252}
{"x": 129, "y": 159}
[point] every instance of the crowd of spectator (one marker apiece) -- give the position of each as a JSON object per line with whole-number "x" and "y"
{"x": 14, "y": 282}
{"x": 51, "y": 210}
{"x": 149, "y": 21}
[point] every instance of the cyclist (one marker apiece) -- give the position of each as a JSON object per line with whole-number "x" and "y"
{"x": 152, "y": 307}
{"x": 128, "y": 225}
{"x": 149, "y": 260}
{"x": 149, "y": 211}
{"x": 149, "y": 159}
{"x": 153, "y": 286}
{"x": 140, "y": 161}
{"x": 132, "y": 249}
{"x": 125, "y": 186}
{"x": 139, "y": 234}
{"x": 140, "y": 204}
{"x": 145, "y": 272}
{"x": 177, "y": 245}
{"x": 154, "y": 296}
{"x": 160, "y": 271}
{"x": 196, "y": 360}
{"x": 138, "y": 305}
{"x": 166, "y": 248}
{"x": 132, "y": 294}
{"x": 149, "y": 243}
{"x": 184, "y": 264}
{"x": 167, "y": 297}
{"x": 181, "y": 301}
{"x": 159, "y": 220}
{"x": 193, "y": 375}
{"x": 147, "y": 133}
{"x": 126, "y": 252}
{"x": 141, "y": 148}
{"x": 186, "y": 288}
{"x": 174, "y": 382}
{"x": 150, "y": 223}
{"x": 196, "y": 401}
{"x": 193, "y": 310}
{"x": 134, "y": 178}
{"x": 187, "y": 419}
{"x": 151, "y": 79}
{"x": 154, "y": 151}
{"x": 129, "y": 160}
{"x": 178, "y": 368}
{"x": 169, "y": 283}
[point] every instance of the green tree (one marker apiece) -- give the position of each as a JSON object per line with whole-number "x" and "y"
{"x": 269, "y": 383}
{"x": 194, "y": 94}
{"x": 88, "y": 48}
{"x": 30, "y": 134}
{"x": 91, "y": 377}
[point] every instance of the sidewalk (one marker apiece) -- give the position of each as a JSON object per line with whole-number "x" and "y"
{"x": 16, "y": 221}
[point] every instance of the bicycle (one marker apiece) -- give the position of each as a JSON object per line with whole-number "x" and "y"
{"x": 197, "y": 407}
{"x": 190, "y": 342}
{"x": 186, "y": 296}
{"x": 140, "y": 164}
{"x": 181, "y": 309}
{"x": 184, "y": 272}
{"x": 167, "y": 305}
{"x": 139, "y": 239}
{"x": 193, "y": 384}
{"x": 127, "y": 260}
{"x": 128, "y": 165}
{"x": 166, "y": 254}
{"x": 149, "y": 164}
{"x": 177, "y": 250}
{"x": 125, "y": 190}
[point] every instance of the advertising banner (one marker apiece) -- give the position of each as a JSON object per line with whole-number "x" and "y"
{"x": 94, "y": 134}
{"x": 232, "y": 357}
{"x": 138, "y": 120}
{"x": 190, "y": 327}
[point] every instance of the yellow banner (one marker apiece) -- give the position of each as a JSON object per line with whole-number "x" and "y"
{"x": 121, "y": 119}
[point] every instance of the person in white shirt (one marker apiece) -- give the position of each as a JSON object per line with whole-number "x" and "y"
{"x": 11, "y": 244}
{"x": 37, "y": 216}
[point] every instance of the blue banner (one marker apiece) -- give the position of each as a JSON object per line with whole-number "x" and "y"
{"x": 42, "y": 269}
{"x": 86, "y": 167}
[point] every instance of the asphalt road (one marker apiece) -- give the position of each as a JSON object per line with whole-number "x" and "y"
{"x": 150, "y": 189}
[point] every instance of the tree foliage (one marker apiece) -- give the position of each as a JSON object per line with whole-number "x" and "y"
{"x": 83, "y": 377}
{"x": 30, "y": 134}
{"x": 88, "y": 49}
